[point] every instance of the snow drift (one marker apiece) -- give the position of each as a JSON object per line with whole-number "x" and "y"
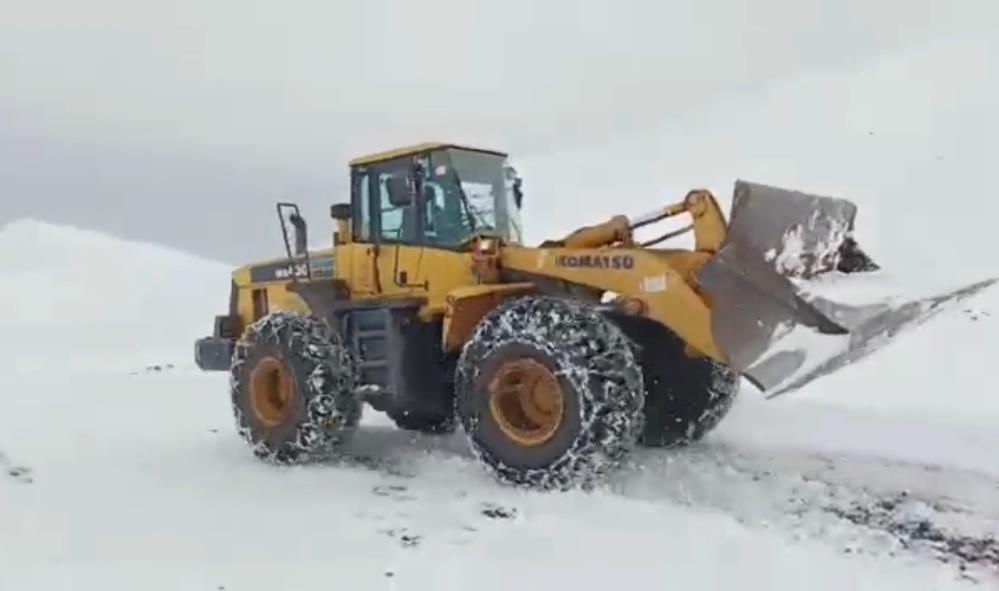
{"x": 73, "y": 294}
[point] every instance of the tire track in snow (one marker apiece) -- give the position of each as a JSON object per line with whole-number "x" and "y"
{"x": 860, "y": 504}
{"x": 864, "y": 505}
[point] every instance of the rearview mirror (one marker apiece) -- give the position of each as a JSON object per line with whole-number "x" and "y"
{"x": 518, "y": 191}
{"x": 301, "y": 233}
{"x": 401, "y": 191}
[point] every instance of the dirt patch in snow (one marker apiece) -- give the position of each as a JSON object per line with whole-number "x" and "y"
{"x": 22, "y": 474}
{"x": 913, "y": 523}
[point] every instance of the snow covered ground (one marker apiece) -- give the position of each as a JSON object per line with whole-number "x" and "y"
{"x": 121, "y": 468}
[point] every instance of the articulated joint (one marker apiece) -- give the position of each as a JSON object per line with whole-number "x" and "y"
{"x": 710, "y": 229}
{"x": 696, "y": 202}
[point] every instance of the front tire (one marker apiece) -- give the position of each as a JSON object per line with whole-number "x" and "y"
{"x": 549, "y": 393}
{"x": 685, "y": 397}
{"x": 292, "y": 384}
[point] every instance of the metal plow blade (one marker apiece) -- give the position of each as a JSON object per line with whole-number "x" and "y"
{"x": 871, "y": 329}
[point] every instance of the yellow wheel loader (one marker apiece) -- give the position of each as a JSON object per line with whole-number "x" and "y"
{"x": 554, "y": 360}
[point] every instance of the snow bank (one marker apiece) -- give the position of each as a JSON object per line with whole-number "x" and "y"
{"x": 71, "y": 295}
{"x": 940, "y": 369}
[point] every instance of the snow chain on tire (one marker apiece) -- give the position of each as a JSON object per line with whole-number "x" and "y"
{"x": 325, "y": 409}
{"x": 599, "y": 376}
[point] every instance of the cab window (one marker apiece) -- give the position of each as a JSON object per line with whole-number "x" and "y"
{"x": 362, "y": 205}
{"x": 444, "y": 220}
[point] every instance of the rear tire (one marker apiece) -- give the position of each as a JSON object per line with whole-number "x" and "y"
{"x": 549, "y": 393}
{"x": 292, "y": 384}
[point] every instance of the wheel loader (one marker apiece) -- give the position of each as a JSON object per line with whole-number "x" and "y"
{"x": 554, "y": 360}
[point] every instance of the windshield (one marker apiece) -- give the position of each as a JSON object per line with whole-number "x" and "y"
{"x": 468, "y": 192}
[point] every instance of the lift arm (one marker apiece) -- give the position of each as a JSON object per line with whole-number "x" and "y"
{"x": 708, "y": 224}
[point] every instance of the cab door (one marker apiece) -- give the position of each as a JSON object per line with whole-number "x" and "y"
{"x": 356, "y": 258}
{"x": 397, "y": 231}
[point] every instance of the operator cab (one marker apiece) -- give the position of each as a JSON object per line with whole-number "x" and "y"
{"x": 438, "y": 195}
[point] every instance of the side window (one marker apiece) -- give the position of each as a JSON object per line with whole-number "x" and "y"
{"x": 433, "y": 201}
{"x": 362, "y": 205}
{"x": 444, "y": 218}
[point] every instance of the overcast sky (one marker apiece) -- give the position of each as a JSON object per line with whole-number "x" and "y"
{"x": 183, "y": 122}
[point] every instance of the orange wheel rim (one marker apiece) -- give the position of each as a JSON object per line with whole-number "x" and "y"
{"x": 526, "y": 401}
{"x": 271, "y": 391}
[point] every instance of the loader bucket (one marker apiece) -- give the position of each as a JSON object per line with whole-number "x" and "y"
{"x": 753, "y": 307}
{"x": 800, "y": 235}
{"x": 775, "y": 335}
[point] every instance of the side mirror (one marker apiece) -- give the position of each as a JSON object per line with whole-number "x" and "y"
{"x": 301, "y": 234}
{"x": 402, "y": 191}
{"x": 518, "y": 191}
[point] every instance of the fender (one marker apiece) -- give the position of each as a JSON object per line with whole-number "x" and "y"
{"x": 467, "y": 305}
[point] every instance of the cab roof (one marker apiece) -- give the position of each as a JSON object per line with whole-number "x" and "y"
{"x": 416, "y": 149}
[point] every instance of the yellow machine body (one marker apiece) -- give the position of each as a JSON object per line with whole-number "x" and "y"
{"x": 726, "y": 298}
